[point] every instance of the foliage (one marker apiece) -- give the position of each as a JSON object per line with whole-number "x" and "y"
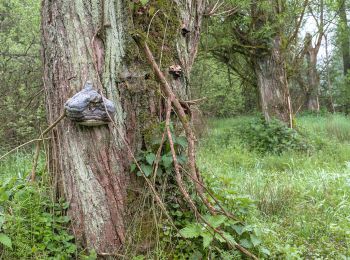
{"x": 219, "y": 86}
{"x": 20, "y": 69}
{"x": 274, "y": 137}
{"x": 32, "y": 226}
{"x": 301, "y": 199}
{"x": 147, "y": 159}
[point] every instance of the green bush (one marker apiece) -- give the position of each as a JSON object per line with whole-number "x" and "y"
{"x": 271, "y": 137}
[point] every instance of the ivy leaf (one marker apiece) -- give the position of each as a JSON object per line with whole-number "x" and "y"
{"x": 5, "y": 240}
{"x": 207, "y": 239}
{"x": 191, "y": 231}
{"x": 150, "y": 158}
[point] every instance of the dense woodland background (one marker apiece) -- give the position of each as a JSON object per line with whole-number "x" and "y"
{"x": 271, "y": 86}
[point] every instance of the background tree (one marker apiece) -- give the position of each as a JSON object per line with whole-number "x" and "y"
{"x": 255, "y": 39}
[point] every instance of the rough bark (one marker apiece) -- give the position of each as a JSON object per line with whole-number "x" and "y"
{"x": 273, "y": 85}
{"x": 90, "y": 162}
{"x": 88, "y": 40}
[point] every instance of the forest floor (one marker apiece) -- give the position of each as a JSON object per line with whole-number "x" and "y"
{"x": 300, "y": 199}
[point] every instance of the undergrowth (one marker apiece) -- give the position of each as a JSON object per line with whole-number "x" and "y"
{"x": 288, "y": 189}
{"x": 301, "y": 196}
{"x": 32, "y": 225}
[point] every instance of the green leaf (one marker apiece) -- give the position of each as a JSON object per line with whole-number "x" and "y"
{"x": 181, "y": 159}
{"x": 265, "y": 251}
{"x": 216, "y": 220}
{"x": 239, "y": 229}
{"x": 159, "y": 171}
{"x": 144, "y": 2}
{"x": 207, "y": 239}
{"x": 2, "y": 220}
{"x": 246, "y": 243}
{"x": 182, "y": 141}
{"x": 255, "y": 240}
{"x": 150, "y": 158}
{"x": 167, "y": 160}
{"x": 133, "y": 167}
{"x": 147, "y": 169}
{"x": 5, "y": 240}
{"x": 191, "y": 231}
{"x": 4, "y": 196}
{"x": 230, "y": 238}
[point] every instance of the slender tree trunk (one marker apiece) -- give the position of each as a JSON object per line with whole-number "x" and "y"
{"x": 329, "y": 83}
{"x": 311, "y": 102}
{"x": 273, "y": 85}
{"x": 88, "y": 40}
{"x": 344, "y": 36}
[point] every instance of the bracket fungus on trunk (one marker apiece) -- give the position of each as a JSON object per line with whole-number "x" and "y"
{"x": 89, "y": 108}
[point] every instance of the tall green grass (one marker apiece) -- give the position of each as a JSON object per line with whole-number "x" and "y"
{"x": 302, "y": 198}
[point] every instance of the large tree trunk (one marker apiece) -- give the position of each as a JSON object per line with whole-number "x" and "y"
{"x": 88, "y": 40}
{"x": 90, "y": 162}
{"x": 273, "y": 85}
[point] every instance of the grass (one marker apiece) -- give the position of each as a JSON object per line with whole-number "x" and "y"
{"x": 31, "y": 225}
{"x": 302, "y": 199}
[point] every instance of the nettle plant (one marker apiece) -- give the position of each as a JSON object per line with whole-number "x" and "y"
{"x": 272, "y": 137}
{"x": 32, "y": 226}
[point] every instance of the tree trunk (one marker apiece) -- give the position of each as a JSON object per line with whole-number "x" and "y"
{"x": 344, "y": 36}
{"x": 311, "y": 102}
{"x": 88, "y": 40}
{"x": 273, "y": 85}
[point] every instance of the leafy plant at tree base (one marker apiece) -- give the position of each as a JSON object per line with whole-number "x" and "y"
{"x": 31, "y": 225}
{"x": 148, "y": 159}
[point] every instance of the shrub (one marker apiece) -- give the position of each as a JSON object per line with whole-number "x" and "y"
{"x": 271, "y": 137}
